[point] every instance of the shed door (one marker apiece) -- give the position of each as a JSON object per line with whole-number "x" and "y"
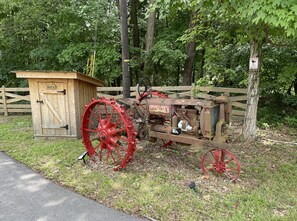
{"x": 53, "y": 108}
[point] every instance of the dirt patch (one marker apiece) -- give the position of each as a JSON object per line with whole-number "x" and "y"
{"x": 4, "y": 120}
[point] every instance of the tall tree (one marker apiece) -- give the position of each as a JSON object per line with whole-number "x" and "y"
{"x": 125, "y": 48}
{"x": 249, "y": 128}
{"x": 135, "y": 35}
{"x": 149, "y": 38}
{"x": 150, "y": 28}
{"x": 262, "y": 17}
{"x": 191, "y": 54}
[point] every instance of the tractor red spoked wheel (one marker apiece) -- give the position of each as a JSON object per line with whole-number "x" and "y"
{"x": 108, "y": 133}
{"x": 221, "y": 162}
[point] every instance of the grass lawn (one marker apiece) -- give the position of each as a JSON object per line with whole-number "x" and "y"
{"x": 155, "y": 184}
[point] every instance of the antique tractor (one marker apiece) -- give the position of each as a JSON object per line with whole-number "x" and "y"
{"x": 110, "y": 128}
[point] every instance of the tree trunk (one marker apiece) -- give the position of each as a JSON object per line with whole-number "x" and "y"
{"x": 177, "y": 76}
{"x": 149, "y": 40}
{"x": 135, "y": 34}
{"x": 202, "y": 63}
{"x": 134, "y": 23}
{"x": 191, "y": 54}
{"x": 125, "y": 48}
{"x": 150, "y": 29}
{"x": 250, "y": 119}
{"x": 188, "y": 67}
{"x": 295, "y": 86}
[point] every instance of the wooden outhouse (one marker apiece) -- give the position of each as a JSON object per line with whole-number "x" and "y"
{"x": 58, "y": 100}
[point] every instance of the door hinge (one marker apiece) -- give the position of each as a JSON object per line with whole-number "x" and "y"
{"x": 37, "y": 101}
{"x": 65, "y": 127}
{"x": 64, "y": 91}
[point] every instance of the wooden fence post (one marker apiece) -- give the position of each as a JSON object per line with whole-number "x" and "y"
{"x": 193, "y": 91}
{"x": 230, "y": 116}
{"x": 4, "y": 101}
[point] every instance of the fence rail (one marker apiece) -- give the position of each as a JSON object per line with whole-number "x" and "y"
{"x": 17, "y": 100}
{"x": 14, "y": 100}
{"x": 238, "y": 96}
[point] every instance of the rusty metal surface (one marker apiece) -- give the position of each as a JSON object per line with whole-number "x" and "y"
{"x": 193, "y": 102}
{"x": 161, "y": 106}
{"x": 189, "y": 139}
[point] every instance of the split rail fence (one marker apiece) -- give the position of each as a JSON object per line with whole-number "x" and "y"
{"x": 14, "y": 100}
{"x": 17, "y": 100}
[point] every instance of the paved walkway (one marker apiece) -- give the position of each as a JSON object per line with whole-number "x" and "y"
{"x": 26, "y": 196}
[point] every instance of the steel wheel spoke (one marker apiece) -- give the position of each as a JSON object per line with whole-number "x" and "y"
{"x": 222, "y": 156}
{"x": 115, "y": 162}
{"x": 230, "y": 169}
{"x": 112, "y": 112}
{"x": 213, "y": 155}
{"x": 122, "y": 148}
{"x": 99, "y": 114}
{"x": 105, "y": 108}
{"x": 123, "y": 139}
{"x": 91, "y": 122}
{"x": 119, "y": 130}
{"x": 94, "y": 115}
{"x": 119, "y": 154}
{"x": 90, "y": 130}
{"x": 100, "y": 156}
{"x": 228, "y": 175}
{"x": 117, "y": 122}
{"x": 97, "y": 146}
{"x": 107, "y": 156}
{"x": 208, "y": 162}
{"x": 229, "y": 161}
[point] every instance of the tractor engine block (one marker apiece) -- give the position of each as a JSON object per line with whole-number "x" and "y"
{"x": 191, "y": 116}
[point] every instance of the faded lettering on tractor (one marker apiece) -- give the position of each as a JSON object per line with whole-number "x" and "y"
{"x": 159, "y": 109}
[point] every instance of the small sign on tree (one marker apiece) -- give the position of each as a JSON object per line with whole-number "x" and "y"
{"x": 254, "y": 63}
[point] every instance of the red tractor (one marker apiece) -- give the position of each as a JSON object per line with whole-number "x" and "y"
{"x": 110, "y": 128}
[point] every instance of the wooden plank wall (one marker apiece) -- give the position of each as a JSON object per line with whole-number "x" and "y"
{"x": 9, "y": 103}
{"x": 14, "y": 100}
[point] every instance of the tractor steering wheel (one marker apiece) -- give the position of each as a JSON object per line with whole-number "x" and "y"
{"x": 142, "y": 83}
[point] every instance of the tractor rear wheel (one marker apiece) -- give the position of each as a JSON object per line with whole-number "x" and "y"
{"x": 108, "y": 133}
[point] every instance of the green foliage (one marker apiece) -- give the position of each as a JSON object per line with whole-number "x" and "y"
{"x": 278, "y": 110}
{"x": 275, "y": 13}
{"x": 278, "y": 69}
{"x": 58, "y": 36}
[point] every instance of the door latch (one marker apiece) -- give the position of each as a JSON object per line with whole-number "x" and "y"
{"x": 65, "y": 127}
{"x": 37, "y": 101}
{"x": 63, "y": 91}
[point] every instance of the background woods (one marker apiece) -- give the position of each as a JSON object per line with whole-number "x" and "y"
{"x": 170, "y": 43}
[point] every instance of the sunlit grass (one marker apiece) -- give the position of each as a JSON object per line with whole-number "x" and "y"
{"x": 155, "y": 184}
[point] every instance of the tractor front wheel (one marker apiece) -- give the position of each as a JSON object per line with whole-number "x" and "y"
{"x": 108, "y": 133}
{"x": 221, "y": 162}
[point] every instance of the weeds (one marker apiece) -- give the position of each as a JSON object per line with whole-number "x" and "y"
{"x": 155, "y": 184}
